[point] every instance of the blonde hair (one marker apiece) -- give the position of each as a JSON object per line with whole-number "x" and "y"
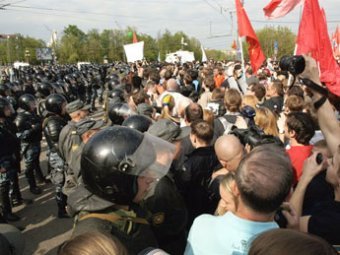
{"x": 168, "y": 103}
{"x": 250, "y": 100}
{"x": 225, "y": 183}
{"x": 266, "y": 120}
{"x": 92, "y": 243}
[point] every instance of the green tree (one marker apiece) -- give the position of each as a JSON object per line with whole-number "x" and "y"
{"x": 284, "y": 37}
{"x": 150, "y": 47}
{"x": 169, "y": 42}
{"x": 72, "y": 45}
{"x": 13, "y": 49}
{"x": 218, "y": 55}
{"x": 93, "y": 47}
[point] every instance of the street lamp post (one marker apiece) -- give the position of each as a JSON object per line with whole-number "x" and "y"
{"x": 27, "y": 55}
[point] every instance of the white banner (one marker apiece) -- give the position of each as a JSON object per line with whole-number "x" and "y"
{"x": 134, "y": 51}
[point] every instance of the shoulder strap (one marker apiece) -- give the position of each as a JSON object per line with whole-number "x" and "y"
{"x": 239, "y": 87}
{"x": 113, "y": 217}
{"x": 227, "y": 121}
{"x": 45, "y": 121}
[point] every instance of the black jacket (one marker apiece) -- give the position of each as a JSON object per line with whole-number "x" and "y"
{"x": 194, "y": 181}
{"x": 29, "y": 127}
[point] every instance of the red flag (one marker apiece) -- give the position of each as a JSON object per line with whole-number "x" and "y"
{"x": 134, "y": 37}
{"x": 234, "y": 45}
{"x": 279, "y": 8}
{"x": 313, "y": 39}
{"x": 245, "y": 29}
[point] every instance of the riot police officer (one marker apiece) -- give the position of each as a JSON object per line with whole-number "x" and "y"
{"x": 56, "y": 118}
{"x": 6, "y": 113}
{"x": 7, "y": 156}
{"x": 30, "y": 135}
{"x": 120, "y": 167}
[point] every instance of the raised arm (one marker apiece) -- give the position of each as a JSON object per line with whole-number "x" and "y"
{"x": 310, "y": 170}
{"x": 325, "y": 113}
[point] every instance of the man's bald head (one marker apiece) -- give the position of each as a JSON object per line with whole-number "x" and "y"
{"x": 229, "y": 151}
{"x": 171, "y": 85}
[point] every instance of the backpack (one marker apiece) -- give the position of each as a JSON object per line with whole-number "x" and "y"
{"x": 228, "y": 122}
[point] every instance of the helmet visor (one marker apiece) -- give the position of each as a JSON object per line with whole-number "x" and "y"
{"x": 152, "y": 158}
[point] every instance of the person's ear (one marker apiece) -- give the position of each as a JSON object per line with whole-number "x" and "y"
{"x": 234, "y": 188}
{"x": 291, "y": 133}
{"x": 193, "y": 139}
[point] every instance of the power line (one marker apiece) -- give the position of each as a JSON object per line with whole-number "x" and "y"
{"x": 216, "y": 9}
{"x": 57, "y": 15}
{"x": 71, "y": 11}
{"x": 93, "y": 13}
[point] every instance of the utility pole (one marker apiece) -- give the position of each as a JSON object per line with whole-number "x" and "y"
{"x": 8, "y": 51}
{"x": 231, "y": 12}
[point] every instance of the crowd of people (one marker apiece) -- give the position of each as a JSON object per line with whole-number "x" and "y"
{"x": 188, "y": 158}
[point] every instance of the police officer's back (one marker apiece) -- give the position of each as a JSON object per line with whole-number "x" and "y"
{"x": 119, "y": 167}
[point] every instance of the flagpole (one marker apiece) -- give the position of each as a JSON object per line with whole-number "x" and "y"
{"x": 242, "y": 58}
{"x": 296, "y": 46}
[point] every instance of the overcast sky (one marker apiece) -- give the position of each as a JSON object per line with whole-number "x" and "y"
{"x": 197, "y": 18}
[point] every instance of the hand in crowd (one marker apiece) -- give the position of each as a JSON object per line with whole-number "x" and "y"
{"x": 222, "y": 171}
{"x": 311, "y": 168}
{"x": 293, "y": 219}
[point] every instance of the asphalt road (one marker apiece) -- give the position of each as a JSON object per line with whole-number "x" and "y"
{"x": 43, "y": 231}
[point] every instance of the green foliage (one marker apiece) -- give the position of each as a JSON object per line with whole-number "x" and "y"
{"x": 218, "y": 55}
{"x": 76, "y": 45}
{"x": 268, "y": 35}
{"x": 13, "y": 49}
{"x": 72, "y": 45}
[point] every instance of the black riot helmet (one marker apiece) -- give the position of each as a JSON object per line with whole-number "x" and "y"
{"x": 26, "y": 102}
{"x": 44, "y": 89}
{"x": 4, "y": 103}
{"x": 117, "y": 94}
{"x": 113, "y": 76}
{"x": 138, "y": 122}
{"x": 119, "y": 112}
{"x": 4, "y": 90}
{"x": 114, "y": 158}
{"x": 54, "y": 103}
{"x": 111, "y": 84}
{"x": 69, "y": 79}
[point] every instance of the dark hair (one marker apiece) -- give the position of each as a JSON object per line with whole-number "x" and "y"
{"x": 289, "y": 242}
{"x": 209, "y": 82}
{"x": 193, "y": 74}
{"x": 187, "y": 78}
{"x": 217, "y": 94}
{"x": 264, "y": 178}
{"x": 296, "y": 90}
{"x": 203, "y": 130}
{"x": 139, "y": 97}
{"x": 303, "y": 126}
{"x": 193, "y": 112}
{"x": 259, "y": 90}
{"x": 154, "y": 76}
{"x": 278, "y": 85}
{"x": 168, "y": 74}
